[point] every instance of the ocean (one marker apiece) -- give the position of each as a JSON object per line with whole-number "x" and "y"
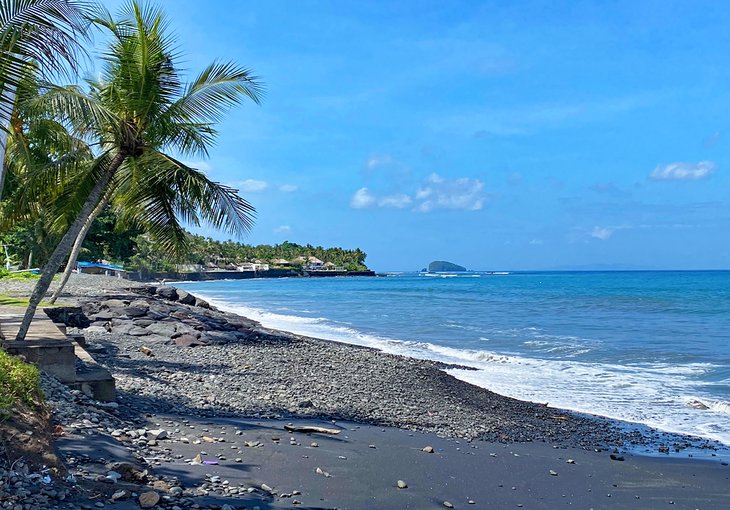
{"x": 646, "y": 347}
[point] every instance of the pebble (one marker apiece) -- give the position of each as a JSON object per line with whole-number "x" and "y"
{"x": 401, "y": 484}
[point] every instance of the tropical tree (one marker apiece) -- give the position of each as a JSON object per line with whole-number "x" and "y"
{"x": 138, "y": 114}
{"x": 47, "y": 32}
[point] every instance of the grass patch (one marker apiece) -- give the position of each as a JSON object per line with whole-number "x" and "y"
{"x": 25, "y": 275}
{"x": 20, "y": 383}
{"x": 20, "y": 301}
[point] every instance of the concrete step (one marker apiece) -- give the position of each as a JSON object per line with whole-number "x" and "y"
{"x": 48, "y": 347}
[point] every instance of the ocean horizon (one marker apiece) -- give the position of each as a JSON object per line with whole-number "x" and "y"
{"x": 648, "y": 347}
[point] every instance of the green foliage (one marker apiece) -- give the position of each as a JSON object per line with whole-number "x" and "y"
{"x": 19, "y": 382}
{"x": 203, "y": 250}
{"x": 25, "y": 275}
{"x": 107, "y": 241}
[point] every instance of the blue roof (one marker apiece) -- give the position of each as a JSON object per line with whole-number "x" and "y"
{"x": 102, "y": 266}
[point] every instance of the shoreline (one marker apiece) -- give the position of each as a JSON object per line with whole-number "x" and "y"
{"x": 640, "y": 428}
{"x": 228, "y": 400}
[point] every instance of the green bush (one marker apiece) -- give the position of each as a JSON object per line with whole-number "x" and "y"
{"x": 19, "y": 382}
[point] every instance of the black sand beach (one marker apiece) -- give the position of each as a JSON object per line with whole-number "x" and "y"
{"x": 227, "y": 401}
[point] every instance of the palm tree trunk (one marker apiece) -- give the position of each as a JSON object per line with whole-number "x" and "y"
{"x": 77, "y": 245}
{"x": 64, "y": 247}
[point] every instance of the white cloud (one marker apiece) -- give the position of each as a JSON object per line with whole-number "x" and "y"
{"x": 288, "y": 188}
{"x": 441, "y": 193}
{"x": 362, "y": 199}
{"x": 683, "y": 171}
{"x": 251, "y": 185}
{"x": 398, "y": 201}
{"x": 283, "y": 229}
{"x": 602, "y": 233}
{"x": 436, "y": 193}
{"x": 376, "y": 160}
{"x": 536, "y": 241}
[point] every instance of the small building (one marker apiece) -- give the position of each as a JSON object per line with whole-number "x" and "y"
{"x": 101, "y": 268}
{"x": 280, "y": 262}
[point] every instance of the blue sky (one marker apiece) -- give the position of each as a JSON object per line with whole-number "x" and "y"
{"x": 498, "y": 135}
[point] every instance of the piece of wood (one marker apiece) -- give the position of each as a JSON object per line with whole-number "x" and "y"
{"x": 306, "y": 428}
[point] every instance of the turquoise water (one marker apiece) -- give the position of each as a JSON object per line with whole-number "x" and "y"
{"x": 647, "y": 347}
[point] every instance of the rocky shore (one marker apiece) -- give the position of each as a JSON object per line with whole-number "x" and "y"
{"x": 179, "y": 362}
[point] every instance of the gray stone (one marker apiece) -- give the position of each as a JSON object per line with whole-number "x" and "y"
{"x": 138, "y": 331}
{"x": 140, "y": 303}
{"x": 201, "y": 304}
{"x": 95, "y": 329}
{"x": 162, "y": 328}
{"x": 113, "y": 303}
{"x": 104, "y": 315}
{"x": 133, "y": 311}
{"x": 148, "y": 499}
{"x": 167, "y": 292}
{"x": 188, "y": 341}
{"x": 185, "y": 298}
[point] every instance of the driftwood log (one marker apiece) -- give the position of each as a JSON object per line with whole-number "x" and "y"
{"x": 307, "y": 429}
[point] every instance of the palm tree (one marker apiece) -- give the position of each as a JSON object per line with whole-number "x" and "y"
{"x": 46, "y": 32}
{"x": 138, "y": 113}
{"x": 153, "y": 199}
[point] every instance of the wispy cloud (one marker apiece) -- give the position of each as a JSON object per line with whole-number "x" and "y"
{"x": 376, "y": 160}
{"x": 288, "y": 188}
{"x": 602, "y": 233}
{"x": 441, "y": 193}
{"x": 251, "y": 185}
{"x": 683, "y": 171}
{"x": 362, "y": 199}
{"x": 435, "y": 192}
{"x": 536, "y": 242}
{"x": 283, "y": 229}
{"x": 398, "y": 201}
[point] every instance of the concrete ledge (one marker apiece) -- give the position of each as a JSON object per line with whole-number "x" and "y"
{"x": 92, "y": 379}
{"x": 55, "y": 357}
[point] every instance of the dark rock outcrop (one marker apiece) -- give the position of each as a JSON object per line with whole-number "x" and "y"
{"x": 440, "y": 266}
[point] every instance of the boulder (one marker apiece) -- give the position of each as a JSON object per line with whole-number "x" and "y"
{"x": 167, "y": 292}
{"x": 185, "y": 297}
{"x": 165, "y": 329}
{"x": 113, "y": 303}
{"x": 140, "y": 303}
{"x": 188, "y": 341}
{"x": 133, "y": 311}
{"x": 137, "y": 331}
{"x": 104, "y": 315}
{"x": 201, "y": 304}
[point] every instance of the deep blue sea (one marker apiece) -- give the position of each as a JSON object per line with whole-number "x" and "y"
{"x": 646, "y": 347}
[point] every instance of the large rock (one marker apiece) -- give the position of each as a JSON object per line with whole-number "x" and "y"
{"x": 165, "y": 329}
{"x": 201, "y": 304}
{"x": 113, "y": 303}
{"x": 188, "y": 341}
{"x": 185, "y": 297}
{"x": 167, "y": 292}
{"x": 133, "y": 311}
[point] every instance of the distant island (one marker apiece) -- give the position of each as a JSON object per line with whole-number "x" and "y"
{"x": 440, "y": 266}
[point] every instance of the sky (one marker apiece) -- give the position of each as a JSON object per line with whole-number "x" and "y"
{"x": 497, "y": 135}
